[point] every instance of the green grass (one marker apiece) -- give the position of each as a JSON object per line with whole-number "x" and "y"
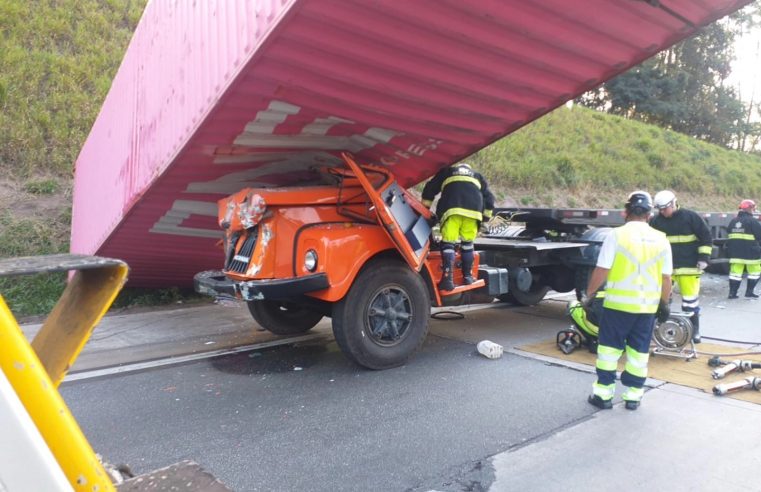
{"x": 574, "y": 155}
{"x": 36, "y": 294}
{"x": 57, "y": 60}
{"x": 41, "y": 186}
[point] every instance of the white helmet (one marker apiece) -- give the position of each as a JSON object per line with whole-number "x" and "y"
{"x": 664, "y": 199}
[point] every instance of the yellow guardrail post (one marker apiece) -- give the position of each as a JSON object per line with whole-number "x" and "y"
{"x": 86, "y": 299}
{"x": 35, "y": 376}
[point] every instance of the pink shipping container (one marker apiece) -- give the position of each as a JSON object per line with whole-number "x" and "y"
{"x": 213, "y": 96}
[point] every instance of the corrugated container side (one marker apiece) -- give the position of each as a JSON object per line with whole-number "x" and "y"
{"x": 181, "y": 58}
{"x": 214, "y": 96}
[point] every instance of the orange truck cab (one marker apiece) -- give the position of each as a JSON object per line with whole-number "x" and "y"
{"x": 356, "y": 247}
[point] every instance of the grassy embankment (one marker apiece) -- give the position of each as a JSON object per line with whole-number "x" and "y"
{"x": 57, "y": 63}
{"x": 581, "y": 158}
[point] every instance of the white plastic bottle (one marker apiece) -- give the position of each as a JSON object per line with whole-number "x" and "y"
{"x": 489, "y": 349}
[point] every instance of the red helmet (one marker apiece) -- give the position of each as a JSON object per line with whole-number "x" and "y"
{"x": 747, "y": 205}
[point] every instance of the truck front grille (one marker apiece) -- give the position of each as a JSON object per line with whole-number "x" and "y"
{"x": 240, "y": 260}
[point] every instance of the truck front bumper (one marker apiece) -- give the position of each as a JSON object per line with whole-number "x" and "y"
{"x": 215, "y": 283}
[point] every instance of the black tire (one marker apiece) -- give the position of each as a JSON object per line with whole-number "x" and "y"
{"x": 583, "y": 273}
{"x": 283, "y": 318}
{"x": 534, "y": 295}
{"x": 371, "y": 334}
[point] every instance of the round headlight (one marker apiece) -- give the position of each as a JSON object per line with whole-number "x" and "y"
{"x": 310, "y": 260}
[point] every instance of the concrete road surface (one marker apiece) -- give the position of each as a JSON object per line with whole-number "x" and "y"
{"x": 299, "y": 416}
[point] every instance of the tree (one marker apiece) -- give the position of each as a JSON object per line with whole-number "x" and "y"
{"x": 685, "y": 88}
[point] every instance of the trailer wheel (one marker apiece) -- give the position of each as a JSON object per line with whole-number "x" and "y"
{"x": 534, "y": 295}
{"x": 282, "y": 317}
{"x": 583, "y": 273}
{"x": 383, "y": 319}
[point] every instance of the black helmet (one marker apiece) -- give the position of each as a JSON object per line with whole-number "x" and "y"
{"x": 639, "y": 203}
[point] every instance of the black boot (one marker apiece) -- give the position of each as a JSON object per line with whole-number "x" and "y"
{"x": 446, "y": 283}
{"x": 749, "y": 289}
{"x": 467, "y": 263}
{"x": 734, "y": 286}
{"x": 695, "y": 319}
{"x": 447, "y": 262}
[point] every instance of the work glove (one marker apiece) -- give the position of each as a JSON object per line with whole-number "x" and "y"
{"x": 663, "y": 313}
{"x": 702, "y": 265}
{"x": 586, "y": 300}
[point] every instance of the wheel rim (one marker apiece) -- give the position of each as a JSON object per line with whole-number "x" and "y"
{"x": 673, "y": 333}
{"x": 389, "y": 316}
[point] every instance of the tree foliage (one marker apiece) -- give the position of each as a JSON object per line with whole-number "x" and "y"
{"x": 685, "y": 88}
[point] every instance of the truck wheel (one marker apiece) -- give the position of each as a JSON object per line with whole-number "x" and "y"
{"x": 383, "y": 319}
{"x": 283, "y": 318}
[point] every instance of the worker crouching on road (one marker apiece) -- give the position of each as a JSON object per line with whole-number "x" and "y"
{"x": 586, "y": 317}
{"x": 465, "y": 202}
{"x": 691, "y": 242}
{"x": 635, "y": 266}
{"x": 744, "y": 250}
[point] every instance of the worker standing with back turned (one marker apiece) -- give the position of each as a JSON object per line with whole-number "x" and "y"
{"x": 635, "y": 266}
{"x": 691, "y": 243}
{"x": 744, "y": 250}
{"x": 465, "y": 202}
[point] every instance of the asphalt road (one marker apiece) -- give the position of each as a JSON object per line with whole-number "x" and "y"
{"x": 301, "y": 417}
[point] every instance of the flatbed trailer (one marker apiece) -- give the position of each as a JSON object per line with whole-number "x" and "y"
{"x": 556, "y": 248}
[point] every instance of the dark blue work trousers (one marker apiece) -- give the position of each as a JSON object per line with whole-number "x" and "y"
{"x": 619, "y": 329}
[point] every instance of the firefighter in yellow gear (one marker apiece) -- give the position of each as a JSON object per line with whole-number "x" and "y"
{"x": 691, "y": 245}
{"x": 744, "y": 250}
{"x": 464, "y": 203}
{"x": 586, "y": 319}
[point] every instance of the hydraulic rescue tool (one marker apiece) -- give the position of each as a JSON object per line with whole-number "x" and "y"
{"x": 742, "y": 384}
{"x": 673, "y": 337}
{"x": 731, "y": 366}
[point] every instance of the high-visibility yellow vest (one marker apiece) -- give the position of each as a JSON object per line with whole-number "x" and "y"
{"x": 635, "y": 279}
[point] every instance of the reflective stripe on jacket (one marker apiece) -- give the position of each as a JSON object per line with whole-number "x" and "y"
{"x": 463, "y": 192}
{"x": 744, "y": 234}
{"x": 689, "y": 236}
{"x": 635, "y": 279}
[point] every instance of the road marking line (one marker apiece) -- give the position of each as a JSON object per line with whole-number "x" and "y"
{"x": 170, "y": 361}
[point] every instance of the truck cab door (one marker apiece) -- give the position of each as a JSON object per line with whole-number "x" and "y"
{"x": 404, "y": 219}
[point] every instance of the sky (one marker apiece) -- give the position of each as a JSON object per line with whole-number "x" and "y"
{"x": 746, "y": 70}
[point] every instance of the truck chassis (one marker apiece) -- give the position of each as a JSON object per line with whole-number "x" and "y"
{"x": 360, "y": 249}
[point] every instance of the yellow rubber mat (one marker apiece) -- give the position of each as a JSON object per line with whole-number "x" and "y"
{"x": 696, "y": 373}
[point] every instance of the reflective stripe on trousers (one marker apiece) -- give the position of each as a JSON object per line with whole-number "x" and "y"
{"x": 689, "y": 288}
{"x": 736, "y": 268}
{"x": 621, "y": 331}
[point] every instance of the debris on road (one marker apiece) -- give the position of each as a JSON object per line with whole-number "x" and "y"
{"x": 489, "y": 349}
